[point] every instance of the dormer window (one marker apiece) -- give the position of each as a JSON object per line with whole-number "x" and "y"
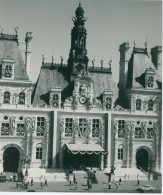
{"x": 22, "y": 98}
{"x": 55, "y": 97}
{"x": 6, "y": 97}
{"x": 149, "y": 78}
{"x": 138, "y": 104}
{"x": 8, "y": 71}
{"x": 150, "y": 81}
{"x": 7, "y": 68}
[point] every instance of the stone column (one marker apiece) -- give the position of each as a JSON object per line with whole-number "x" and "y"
{"x": 47, "y": 143}
{"x": 102, "y": 142}
{"x": 128, "y": 150}
{"x": 54, "y": 138}
{"x": 12, "y": 125}
{"x": 110, "y": 147}
{"x": 157, "y": 134}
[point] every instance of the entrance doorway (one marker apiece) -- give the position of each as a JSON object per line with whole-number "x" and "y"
{"x": 142, "y": 159}
{"x": 11, "y": 159}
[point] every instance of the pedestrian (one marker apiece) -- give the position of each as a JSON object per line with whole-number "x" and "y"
{"x": 117, "y": 185}
{"x": 70, "y": 182}
{"x": 17, "y": 185}
{"x": 76, "y": 185}
{"x": 46, "y": 182}
{"x": 41, "y": 185}
{"x": 31, "y": 181}
{"x": 120, "y": 181}
{"x": 88, "y": 183}
{"x": 11, "y": 177}
{"x": 14, "y": 177}
{"x": 109, "y": 186}
{"x": 138, "y": 182}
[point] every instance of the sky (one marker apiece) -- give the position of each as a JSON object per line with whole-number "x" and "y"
{"x": 109, "y": 24}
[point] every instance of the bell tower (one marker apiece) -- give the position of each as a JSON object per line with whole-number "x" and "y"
{"x": 78, "y": 59}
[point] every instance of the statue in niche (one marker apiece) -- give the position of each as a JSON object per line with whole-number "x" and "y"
{"x": 90, "y": 100}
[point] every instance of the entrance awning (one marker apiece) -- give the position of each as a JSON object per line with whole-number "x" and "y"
{"x": 85, "y": 149}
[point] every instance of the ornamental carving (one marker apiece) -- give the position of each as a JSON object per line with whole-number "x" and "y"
{"x": 143, "y": 127}
{"x": 89, "y": 123}
{"x": 12, "y": 124}
{"x": 129, "y": 128}
{"x": 115, "y": 126}
{"x": 157, "y": 129}
{"x": 30, "y": 124}
{"x": 76, "y": 127}
{"x": 61, "y": 125}
{"x": 102, "y": 126}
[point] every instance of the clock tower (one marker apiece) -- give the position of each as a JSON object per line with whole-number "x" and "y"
{"x": 78, "y": 59}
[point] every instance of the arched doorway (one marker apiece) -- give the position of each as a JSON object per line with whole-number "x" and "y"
{"x": 142, "y": 159}
{"x": 11, "y": 157}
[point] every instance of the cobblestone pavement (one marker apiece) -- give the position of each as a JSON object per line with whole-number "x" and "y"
{"x": 127, "y": 186}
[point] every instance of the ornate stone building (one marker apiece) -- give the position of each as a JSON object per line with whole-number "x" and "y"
{"x": 75, "y": 114}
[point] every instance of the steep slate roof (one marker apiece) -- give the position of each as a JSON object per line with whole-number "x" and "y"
{"x": 50, "y": 77}
{"x": 137, "y": 66}
{"x": 57, "y": 76}
{"x": 9, "y": 48}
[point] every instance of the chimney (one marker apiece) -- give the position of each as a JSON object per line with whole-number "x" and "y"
{"x": 28, "y": 53}
{"x": 123, "y": 69}
{"x": 156, "y": 53}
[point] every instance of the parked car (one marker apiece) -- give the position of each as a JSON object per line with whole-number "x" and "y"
{"x": 2, "y": 178}
{"x": 146, "y": 188}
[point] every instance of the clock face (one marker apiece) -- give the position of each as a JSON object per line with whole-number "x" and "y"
{"x": 82, "y": 99}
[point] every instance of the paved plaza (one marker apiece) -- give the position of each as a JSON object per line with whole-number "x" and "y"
{"x": 126, "y": 187}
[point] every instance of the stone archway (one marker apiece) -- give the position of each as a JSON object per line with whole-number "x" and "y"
{"x": 12, "y": 155}
{"x": 144, "y": 158}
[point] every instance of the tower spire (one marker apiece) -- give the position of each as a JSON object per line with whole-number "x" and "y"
{"x": 78, "y": 59}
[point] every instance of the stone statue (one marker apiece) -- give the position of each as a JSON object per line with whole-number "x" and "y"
{"x": 146, "y": 43}
{"x": 102, "y": 63}
{"x": 2, "y": 29}
{"x": 134, "y": 43}
{"x": 52, "y": 59}
{"x": 16, "y": 30}
{"x": 43, "y": 58}
{"x": 61, "y": 59}
{"x": 110, "y": 62}
{"x": 93, "y": 62}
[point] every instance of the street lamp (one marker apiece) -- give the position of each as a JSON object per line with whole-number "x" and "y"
{"x": 27, "y": 162}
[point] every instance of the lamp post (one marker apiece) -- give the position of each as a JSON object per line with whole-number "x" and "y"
{"x": 27, "y": 162}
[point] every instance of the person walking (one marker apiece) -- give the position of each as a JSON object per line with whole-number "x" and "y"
{"x": 11, "y": 177}
{"x": 117, "y": 185}
{"x": 109, "y": 186}
{"x": 46, "y": 182}
{"x": 70, "y": 182}
{"x": 138, "y": 182}
{"x": 14, "y": 177}
{"x": 31, "y": 181}
{"x": 88, "y": 183}
{"x": 76, "y": 183}
{"x": 17, "y": 185}
{"x": 120, "y": 181}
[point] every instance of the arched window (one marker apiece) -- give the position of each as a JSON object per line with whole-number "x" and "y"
{"x": 22, "y": 98}
{"x": 138, "y": 104}
{"x": 6, "y": 98}
{"x": 150, "y": 105}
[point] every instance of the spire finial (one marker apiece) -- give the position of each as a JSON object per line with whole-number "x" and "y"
{"x": 134, "y": 43}
{"x": 110, "y": 62}
{"x": 146, "y": 43}
{"x": 43, "y": 58}
{"x": 16, "y": 30}
{"x": 1, "y": 27}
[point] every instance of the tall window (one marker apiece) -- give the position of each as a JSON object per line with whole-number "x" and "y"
{"x": 5, "y": 129}
{"x": 121, "y": 130}
{"x": 95, "y": 128}
{"x": 82, "y": 127}
{"x": 138, "y": 132}
{"x": 150, "y": 133}
{"x": 40, "y": 126}
{"x": 22, "y": 98}
{"x": 68, "y": 127}
{"x": 20, "y": 130}
{"x": 150, "y": 105}
{"x": 120, "y": 153}
{"x": 6, "y": 99}
{"x": 138, "y": 104}
{"x": 38, "y": 153}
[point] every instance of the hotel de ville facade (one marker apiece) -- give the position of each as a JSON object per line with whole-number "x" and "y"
{"x": 75, "y": 115}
